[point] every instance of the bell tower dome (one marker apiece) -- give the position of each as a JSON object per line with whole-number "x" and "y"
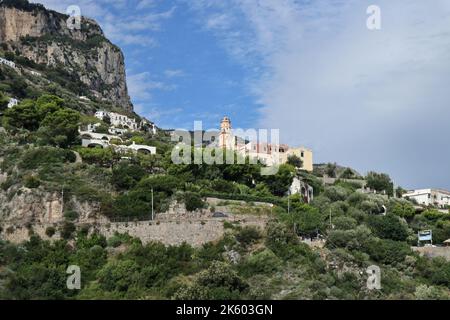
{"x": 225, "y": 125}
{"x": 225, "y": 139}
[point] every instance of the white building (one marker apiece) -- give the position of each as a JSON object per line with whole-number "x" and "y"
{"x": 13, "y": 102}
{"x": 118, "y": 120}
{"x": 91, "y": 139}
{"x": 429, "y": 197}
{"x": 7, "y": 63}
{"x": 302, "y": 188}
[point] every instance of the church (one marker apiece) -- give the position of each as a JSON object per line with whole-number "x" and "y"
{"x": 265, "y": 152}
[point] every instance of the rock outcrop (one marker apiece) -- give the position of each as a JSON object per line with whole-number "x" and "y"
{"x": 43, "y": 37}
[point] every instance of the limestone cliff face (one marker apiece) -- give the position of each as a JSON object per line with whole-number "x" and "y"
{"x": 36, "y": 206}
{"x": 43, "y": 36}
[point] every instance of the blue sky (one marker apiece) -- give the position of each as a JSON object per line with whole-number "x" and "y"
{"x": 372, "y": 100}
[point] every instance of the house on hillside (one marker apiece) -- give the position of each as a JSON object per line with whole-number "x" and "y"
{"x": 120, "y": 122}
{"x": 7, "y": 63}
{"x": 117, "y": 119}
{"x": 300, "y": 187}
{"x": 13, "y": 102}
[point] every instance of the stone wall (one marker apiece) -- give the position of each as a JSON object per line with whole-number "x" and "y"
{"x": 433, "y": 252}
{"x": 37, "y": 211}
{"x": 192, "y": 231}
{"x": 169, "y": 232}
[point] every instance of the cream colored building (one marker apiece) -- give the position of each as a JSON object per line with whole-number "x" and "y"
{"x": 306, "y": 155}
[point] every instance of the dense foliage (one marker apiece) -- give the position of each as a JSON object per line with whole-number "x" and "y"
{"x": 40, "y": 152}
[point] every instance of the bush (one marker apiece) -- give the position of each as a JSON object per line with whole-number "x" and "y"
{"x": 344, "y": 223}
{"x": 219, "y": 282}
{"x": 285, "y": 244}
{"x": 336, "y": 193}
{"x": 389, "y": 227}
{"x": 380, "y": 182}
{"x": 118, "y": 275}
{"x": 403, "y": 209}
{"x": 193, "y": 201}
{"x": 105, "y": 157}
{"x": 354, "y": 239}
{"x": 50, "y": 231}
{"x": 37, "y": 157}
{"x": 71, "y": 215}
{"x": 31, "y": 182}
{"x": 67, "y": 230}
{"x": 248, "y": 235}
{"x": 126, "y": 176}
{"x": 387, "y": 251}
{"x": 265, "y": 262}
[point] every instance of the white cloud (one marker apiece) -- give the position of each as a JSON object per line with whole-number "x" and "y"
{"x": 129, "y": 24}
{"x": 174, "y": 73}
{"x": 141, "y": 85}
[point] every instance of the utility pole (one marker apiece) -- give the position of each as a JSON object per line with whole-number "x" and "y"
{"x": 62, "y": 200}
{"x": 289, "y": 202}
{"x": 153, "y": 214}
{"x": 331, "y": 224}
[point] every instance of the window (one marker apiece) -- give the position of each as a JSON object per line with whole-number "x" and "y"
{"x": 302, "y": 154}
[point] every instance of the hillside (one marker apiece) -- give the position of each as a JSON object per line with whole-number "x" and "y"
{"x": 82, "y": 60}
{"x": 73, "y": 191}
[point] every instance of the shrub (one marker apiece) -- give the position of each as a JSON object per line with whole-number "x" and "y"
{"x": 344, "y": 223}
{"x": 219, "y": 282}
{"x": 389, "y": 227}
{"x": 403, "y": 209}
{"x": 67, "y": 230}
{"x": 248, "y": 235}
{"x": 36, "y": 157}
{"x": 50, "y": 231}
{"x": 71, "y": 215}
{"x": 118, "y": 275}
{"x": 387, "y": 251}
{"x": 193, "y": 201}
{"x": 265, "y": 262}
{"x": 126, "y": 176}
{"x": 380, "y": 182}
{"x": 336, "y": 193}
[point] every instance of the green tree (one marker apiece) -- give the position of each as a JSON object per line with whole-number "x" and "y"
{"x": 404, "y": 209}
{"x": 47, "y": 104}
{"x": 24, "y": 115}
{"x": 295, "y": 161}
{"x": 331, "y": 170}
{"x": 119, "y": 275}
{"x": 3, "y": 101}
{"x": 219, "y": 282}
{"x": 126, "y": 175}
{"x": 380, "y": 182}
{"x": 193, "y": 201}
{"x": 389, "y": 227}
{"x": 280, "y": 182}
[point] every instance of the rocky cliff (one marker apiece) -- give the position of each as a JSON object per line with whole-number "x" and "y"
{"x": 43, "y": 37}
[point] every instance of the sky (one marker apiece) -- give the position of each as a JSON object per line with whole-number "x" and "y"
{"x": 369, "y": 99}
